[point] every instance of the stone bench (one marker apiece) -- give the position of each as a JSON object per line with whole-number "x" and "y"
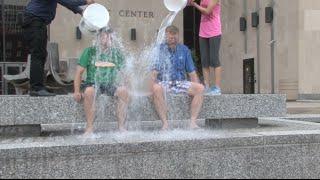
{"x": 265, "y": 153}
{"x": 24, "y": 110}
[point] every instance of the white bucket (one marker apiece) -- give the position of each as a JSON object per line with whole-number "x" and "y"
{"x": 95, "y": 17}
{"x": 175, "y": 5}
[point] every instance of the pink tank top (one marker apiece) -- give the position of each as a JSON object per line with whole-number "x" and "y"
{"x": 210, "y": 25}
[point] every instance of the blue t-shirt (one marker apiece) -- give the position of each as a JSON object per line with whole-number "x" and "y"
{"x": 173, "y": 65}
{"x": 46, "y": 9}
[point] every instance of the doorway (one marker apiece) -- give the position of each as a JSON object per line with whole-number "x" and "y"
{"x": 248, "y": 76}
{"x": 191, "y": 24}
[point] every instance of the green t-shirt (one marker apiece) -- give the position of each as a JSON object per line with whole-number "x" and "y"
{"x": 102, "y": 76}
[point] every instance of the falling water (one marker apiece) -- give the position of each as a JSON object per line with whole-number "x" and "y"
{"x": 165, "y": 23}
{"x": 137, "y": 69}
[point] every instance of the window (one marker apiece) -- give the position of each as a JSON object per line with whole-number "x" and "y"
{"x": 12, "y": 46}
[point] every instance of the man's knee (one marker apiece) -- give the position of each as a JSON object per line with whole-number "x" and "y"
{"x": 201, "y": 89}
{"x": 157, "y": 89}
{"x": 123, "y": 93}
{"x": 198, "y": 89}
{"x": 89, "y": 93}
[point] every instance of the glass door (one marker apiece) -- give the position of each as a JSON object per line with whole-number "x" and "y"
{"x": 12, "y": 46}
{"x": 191, "y": 23}
{"x": 1, "y": 79}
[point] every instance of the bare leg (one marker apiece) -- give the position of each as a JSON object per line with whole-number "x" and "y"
{"x": 206, "y": 76}
{"x": 89, "y": 109}
{"x": 196, "y": 90}
{"x": 160, "y": 105}
{"x": 123, "y": 95}
{"x": 217, "y": 76}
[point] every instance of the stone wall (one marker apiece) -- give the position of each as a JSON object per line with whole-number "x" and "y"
{"x": 296, "y": 34}
{"x": 143, "y": 15}
{"x": 273, "y": 156}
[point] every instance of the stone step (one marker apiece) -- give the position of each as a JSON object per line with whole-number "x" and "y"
{"x": 169, "y": 155}
{"x": 25, "y": 110}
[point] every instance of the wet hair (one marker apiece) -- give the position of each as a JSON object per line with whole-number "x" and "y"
{"x": 172, "y": 29}
{"x": 106, "y": 30}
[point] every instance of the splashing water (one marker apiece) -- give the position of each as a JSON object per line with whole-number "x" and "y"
{"x": 147, "y": 136}
{"x": 137, "y": 71}
{"x": 165, "y": 23}
{"x": 139, "y": 66}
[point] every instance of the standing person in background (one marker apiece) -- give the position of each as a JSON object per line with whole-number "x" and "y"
{"x": 38, "y": 14}
{"x": 210, "y": 40}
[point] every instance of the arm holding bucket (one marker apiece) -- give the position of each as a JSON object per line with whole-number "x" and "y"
{"x": 73, "y": 5}
{"x": 208, "y": 10}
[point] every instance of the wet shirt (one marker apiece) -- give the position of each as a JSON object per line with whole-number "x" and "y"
{"x": 173, "y": 64}
{"x": 102, "y": 76}
{"x": 46, "y": 9}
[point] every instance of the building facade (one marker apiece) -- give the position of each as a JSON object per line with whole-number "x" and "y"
{"x": 142, "y": 16}
{"x": 284, "y": 52}
{"x": 271, "y": 54}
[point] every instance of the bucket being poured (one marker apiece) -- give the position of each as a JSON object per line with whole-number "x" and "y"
{"x": 175, "y": 5}
{"x": 95, "y": 17}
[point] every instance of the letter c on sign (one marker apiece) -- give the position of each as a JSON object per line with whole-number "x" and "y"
{"x": 121, "y": 13}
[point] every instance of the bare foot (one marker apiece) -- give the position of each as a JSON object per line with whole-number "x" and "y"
{"x": 194, "y": 126}
{"x": 88, "y": 132}
{"x": 165, "y": 127}
{"x": 123, "y": 130}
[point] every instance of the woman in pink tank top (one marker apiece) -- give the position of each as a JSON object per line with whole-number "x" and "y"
{"x": 210, "y": 40}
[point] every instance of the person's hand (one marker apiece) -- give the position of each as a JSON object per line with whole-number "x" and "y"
{"x": 191, "y": 2}
{"x": 77, "y": 97}
{"x": 90, "y": 1}
{"x": 81, "y": 13}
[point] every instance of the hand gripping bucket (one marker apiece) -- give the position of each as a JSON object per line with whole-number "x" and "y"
{"x": 95, "y": 17}
{"x": 175, "y": 5}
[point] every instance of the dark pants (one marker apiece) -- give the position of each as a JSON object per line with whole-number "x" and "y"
{"x": 109, "y": 90}
{"x": 209, "y": 49}
{"x": 35, "y": 34}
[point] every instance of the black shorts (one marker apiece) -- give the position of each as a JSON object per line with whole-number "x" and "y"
{"x": 109, "y": 90}
{"x": 209, "y": 49}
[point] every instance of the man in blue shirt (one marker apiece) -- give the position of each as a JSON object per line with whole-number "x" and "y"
{"x": 169, "y": 75}
{"x": 38, "y": 14}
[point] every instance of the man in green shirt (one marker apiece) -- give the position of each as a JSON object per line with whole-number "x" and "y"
{"x": 103, "y": 65}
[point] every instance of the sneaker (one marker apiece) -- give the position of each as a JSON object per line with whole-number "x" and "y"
{"x": 216, "y": 91}
{"x": 207, "y": 91}
{"x": 41, "y": 93}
